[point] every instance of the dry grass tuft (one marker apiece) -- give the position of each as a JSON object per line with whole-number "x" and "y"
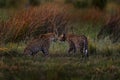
{"x": 34, "y": 21}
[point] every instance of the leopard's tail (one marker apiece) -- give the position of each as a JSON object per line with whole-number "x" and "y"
{"x": 85, "y": 49}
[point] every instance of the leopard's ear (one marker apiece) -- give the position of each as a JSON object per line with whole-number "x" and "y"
{"x": 64, "y": 36}
{"x": 54, "y": 32}
{"x": 42, "y": 36}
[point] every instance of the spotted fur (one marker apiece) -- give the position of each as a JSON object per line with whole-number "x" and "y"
{"x": 42, "y": 43}
{"x": 76, "y": 42}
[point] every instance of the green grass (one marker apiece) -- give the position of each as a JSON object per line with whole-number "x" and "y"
{"x": 89, "y": 29}
{"x": 103, "y": 62}
{"x": 59, "y": 66}
{"x": 4, "y": 14}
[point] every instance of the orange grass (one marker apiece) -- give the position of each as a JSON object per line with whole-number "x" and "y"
{"x": 33, "y": 21}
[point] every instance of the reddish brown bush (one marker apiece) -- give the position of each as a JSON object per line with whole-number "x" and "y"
{"x": 111, "y": 29}
{"x": 87, "y": 15}
{"x": 34, "y": 21}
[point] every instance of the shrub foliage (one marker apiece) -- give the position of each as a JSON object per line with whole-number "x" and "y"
{"x": 11, "y": 3}
{"x": 111, "y": 29}
{"x": 33, "y": 22}
{"x": 34, "y": 2}
{"x": 99, "y": 3}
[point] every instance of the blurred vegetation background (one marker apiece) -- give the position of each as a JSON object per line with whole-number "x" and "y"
{"x": 23, "y": 20}
{"x": 65, "y": 11}
{"x": 77, "y": 3}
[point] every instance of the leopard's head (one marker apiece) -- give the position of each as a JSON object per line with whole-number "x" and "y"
{"x": 62, "y": 37}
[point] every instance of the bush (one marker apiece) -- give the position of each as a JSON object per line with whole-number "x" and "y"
{"x": 80, "y": 4}
{"x": 34, "y": 2}
{"x": 10, "y": 3}
{"x": 99, "y": 4}
{"x": 2, "y": 3}
{"x": 33, "y": 22}
{"x": 111, "y": 29}
{"x": 68, "y": 1}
